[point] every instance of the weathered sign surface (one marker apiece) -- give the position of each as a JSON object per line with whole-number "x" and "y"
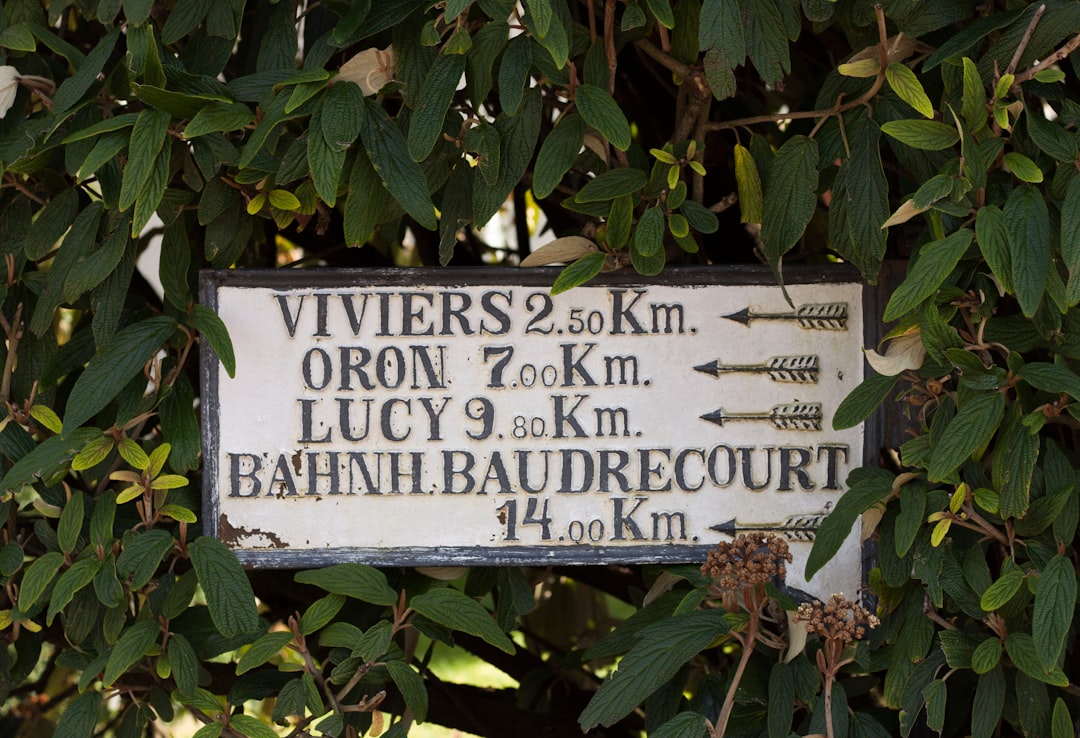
{"x": 437, "y": 417}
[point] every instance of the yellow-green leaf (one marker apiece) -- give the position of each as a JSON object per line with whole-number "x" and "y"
{"x": 133, "y": 454}
{"x": 907, "y": 86}
{"x": 749, "y": 185}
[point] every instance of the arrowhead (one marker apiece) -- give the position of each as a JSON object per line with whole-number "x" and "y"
{"x": 716, "y": 416}
{"x": 743, "y": 316}
{"x": 728, "y": 528}
{"x": 712, "y": 368}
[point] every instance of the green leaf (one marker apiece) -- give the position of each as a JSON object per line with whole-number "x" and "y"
{"x": 412, "y": 688}
{"x": 928, "y": 135}
{"x": 749, "y": 186}
{"x": 986, "y": 655}
{"x": 602, "y": 113}
{"x": 1023, "y": 653}
{"x": 366, "y": 200}
{"x": 612, "y": 184}
{"x": 219, "y": 117}
{"x": 700, "y": 218}
{"x": 389, "y": 155}
{"x": 781, "y": 700}
{"x": 1003, "y": 590}
{"x": 11, "y": 558}
{"x": 973, "y": 105}
{"x": 1070, "y": 236}
{"x": 936, "y": 261}
{"x": 661, "y": 10}
{"x": 866, "y": 487}
{"x": 542, "y": 15}
{"x": 766, "y": 40}
{"x": 578, "y": 273}
{"x": 359, "y": 581}
{"x": 263, "y": 649}
{"x": 1028, "y": 223}
{"x": 51, "y": 223}
{"x": 116, "y": 123}
{"x": 1023, "y": 168}
{"x": 1051, "y": 378}
{"x": 426, "y": 123}
{"x": 142, "y": 554}
{"x": 866, "y": 196}
{"x": 454, "y": 610}
{"x": 37, "y": 579}
{"x": 207, "y": 322}
{"x": 971, "y": 430}
{"x": 688, "y": 725}
{"x": 988, "y": 702}
{"x": 1061, "y": 722}
{"x": 185, "y": 664}
{"x": 74, "y": 87}
{"x": 107, "y": 373}
{"x": 228, "y": 591}
{"x": 863, "y": 400}
{"x": 251, "y": 727}
{"x": 184, "y": 18}
{"x": 326, "y": 163}
{"x": 993, "y": 238}
{"x": 651, "y": 663}
{"x": 71, "y": 521}
{"x": 908, "y": 88}
{"x": 342, "y": 115}
{"x": 936, "y": 694}
{"x": 620, "y": 221}
{"x": 46, "y": 459}
{"x": 81, "y": 715}
{"x": 514, "y": 76}
{"x": 518, "y": 134}
{"x": 17, "y": 38}
{"x": 649, "y": 234}
{"x": 790, "y": 197}
{"x": 1015, "y": 453}
{"x": 147, "y": 140}
{"x": 80, "y": 574}
{"x": 1055, "y": 601}
{"x": 320, "y": 612}
{"x": 1051, "y": 137}
{"x": 133, "y": 645}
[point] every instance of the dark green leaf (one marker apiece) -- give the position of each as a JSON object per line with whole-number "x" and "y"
{"x": 766, "y": 39}
{"x": 700, "y": 218}
{"x": 867, "y": 197}
{"x": 1028, "y": 223}
{"x": 1061, "y": 722}
{"x": 1050, "y": 136}
{"x": 989, "y": 699}
{"x": 52, "y": 221}
{"x": 219, "y": 117}
{"x": 1070, "y": 236}
{"x": 518, "y": 136}
{"x": 71, "y": 522}
{"x": 967, "y": 38}
{"x": 107, "y": 373}
{"x": 790, "y": 197}
{"x": 251, "y": 727}
{"x": 620, "y": 221}
{"x": 1015, "y": 453}
{"x": 228, "y": 591}
{"x": 412, "y": 688}
{"x": 142, "y": 554}
{"x": 936, "y": 695}
{"x": 320, "y": 612}
{"x": 207, "y": 322}
{"x": 993, "y": 238}
{"x": 147, "y": 140}
{"x": 936, "y": 261}
{"x": 75, "y": 86}
{"x": 80, "y": 574}
{"x": 971, "y": 430}
{"x": 184, "y": 662}
{"x": 558, "y": 153}
{"x": 1003, "y": 590}
{"x": 116, "y": 123}
{"x": 866, "y": 487}
{"x": 612, "y": 184}
{"x": 80, "y": 716}
{"x": 133, "y": 645}
{"x": 650, "y": 664}
{"x": 649, "y": 233}
{"x": 37, "y": 579}
{"x": 426, "y": 124}
{"x": 1024, "y": 654}
{"x": 684, "y": 725}
{"x": 602, "y": 113}
{"x": 263, "y": 649}
{"x": 986, "y": 655}
{"x": 863, "y": 400}
{"x": 514, "y": 77}
{"x": 781, "y": 700}
{"x": 928, "y": 135}
{"x": 1051, "y": 378}
{"x": 456, "y": 611}
{"x": 46, "y": 459}
{"x": 578, "y": 273}
{"x": 403, "y": 177}
{"x": 1055, "y": 602}
{"x": 360, "y": 581}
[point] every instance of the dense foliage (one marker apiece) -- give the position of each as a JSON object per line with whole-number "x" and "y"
{"x": 335, "y": 133}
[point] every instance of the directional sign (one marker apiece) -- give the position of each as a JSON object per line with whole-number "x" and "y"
{"x": 438, "y": 417}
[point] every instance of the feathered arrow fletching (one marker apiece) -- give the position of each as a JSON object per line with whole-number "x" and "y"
{"x": 800, "y": 369}
{"x": 794, "y": 527}
{"x": 830, "y": 316}
{"x": 795, "y": 416}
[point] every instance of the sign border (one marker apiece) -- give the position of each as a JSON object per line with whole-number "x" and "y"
{"x": 211, "y": 280}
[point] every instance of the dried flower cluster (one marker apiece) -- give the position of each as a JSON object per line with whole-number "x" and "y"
{"x": 747, "y": 560}
{"x": 839, "y": 620}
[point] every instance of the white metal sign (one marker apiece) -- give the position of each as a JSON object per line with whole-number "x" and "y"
{"x": 434, "y": 417}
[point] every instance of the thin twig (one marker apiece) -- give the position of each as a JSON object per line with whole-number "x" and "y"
{"x": 609, "y": 43}
{"x": 1049, "y": 61}
{"x": 1025, "y": 39}
{"x": 683, "y": 70}
{"x": 13, "y": 332}
{"x": 837, "y": 109}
